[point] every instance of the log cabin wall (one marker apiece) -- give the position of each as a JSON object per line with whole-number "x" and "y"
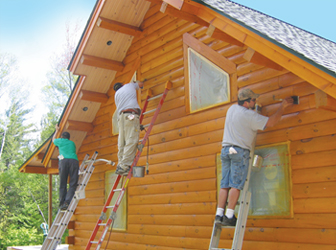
{"x": 174, "y": 206}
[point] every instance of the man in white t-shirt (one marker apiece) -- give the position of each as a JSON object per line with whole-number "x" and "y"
{"x": 129, "y": 125}
{"x": 241, "y": 127}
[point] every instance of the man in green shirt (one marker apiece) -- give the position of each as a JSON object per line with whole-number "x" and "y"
{"x": 68, "y": 165}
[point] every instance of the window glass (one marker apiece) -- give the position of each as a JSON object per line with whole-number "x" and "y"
{"x": 209, "y": 85}
{"x": 120, "y": 222}
{"x": 270, "y": 184}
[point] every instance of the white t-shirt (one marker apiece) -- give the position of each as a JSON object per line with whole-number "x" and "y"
{"x": 126, "y": 97}
{"x": 241, "y": 126}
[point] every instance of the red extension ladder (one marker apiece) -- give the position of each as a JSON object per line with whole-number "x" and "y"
{"x": 121, "y": 191}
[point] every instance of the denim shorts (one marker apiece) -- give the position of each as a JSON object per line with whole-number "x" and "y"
{"x": 234, "y": 167}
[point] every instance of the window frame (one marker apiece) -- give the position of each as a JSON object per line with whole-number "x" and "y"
{"x": 216, "y": 58}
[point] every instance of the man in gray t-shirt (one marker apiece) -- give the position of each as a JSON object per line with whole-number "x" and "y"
{"x": 241, "y": 127}
{"x": 129, "y": 125}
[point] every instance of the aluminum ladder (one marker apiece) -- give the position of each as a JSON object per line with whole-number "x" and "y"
{"x": 122, "y": 190}
{"x": 244, "y": 204}
{"x": 63, "y": 217}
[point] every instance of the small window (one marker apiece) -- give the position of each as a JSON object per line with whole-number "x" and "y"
{"x": 270, "y": 185}
{"x": 115, "y": 126}
{"x": 121, "y": 221}
{"x": 209, "y": 85}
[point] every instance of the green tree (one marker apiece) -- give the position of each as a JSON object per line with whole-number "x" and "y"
{"x": 16, "y": 145}
{"x": 19, "y": 216}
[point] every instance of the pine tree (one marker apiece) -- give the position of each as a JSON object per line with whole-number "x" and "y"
{"x": 19, "y": 220}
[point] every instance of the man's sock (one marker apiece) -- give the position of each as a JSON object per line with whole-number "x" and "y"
{"x": 220, "y": 211}
{"x": 229, "y": 213}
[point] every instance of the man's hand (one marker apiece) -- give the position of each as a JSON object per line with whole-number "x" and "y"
{"x": 275, "y": 118}
{"x": 287, "y": 102}
{"x": 57, "y": 128}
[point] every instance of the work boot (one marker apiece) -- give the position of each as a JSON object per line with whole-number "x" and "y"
{"x": 229, "y": 222}
{"x": 218, "y": 219}
{"x": 64, "y": 206}
{"x": 122, "y": 171}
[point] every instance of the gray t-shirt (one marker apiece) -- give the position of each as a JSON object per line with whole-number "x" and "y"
{"x": 241, "y": 126}
{"x": 126, "y": 97}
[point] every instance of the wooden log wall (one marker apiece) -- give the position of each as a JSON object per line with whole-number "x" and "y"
{"x": 174, "y": 206}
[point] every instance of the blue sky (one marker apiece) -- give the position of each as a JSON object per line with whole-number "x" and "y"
{"x": 34, "y": 30}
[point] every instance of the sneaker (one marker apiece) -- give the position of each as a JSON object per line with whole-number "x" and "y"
{"x": 218, "y": 219}
{"x": 64, "y": 206}
{"x": 229, "y": 222}
{"x": 122, "y": 171}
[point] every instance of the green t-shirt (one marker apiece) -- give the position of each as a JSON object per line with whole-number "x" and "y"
{"x": 66, "y": 148}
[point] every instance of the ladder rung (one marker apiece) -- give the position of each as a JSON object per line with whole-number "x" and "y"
{"x": 150, "y": 111}
{"x": 109, "y": 206}
{"x": 214, "y": 248}
{"x": 155, "y": 97}
{"x": 102, "y": 224}
{"x": 227, "y": 226}
{"x": 117, "y": 189}
{"x": 145, "y": 126}
{"x": 94, "y": 242}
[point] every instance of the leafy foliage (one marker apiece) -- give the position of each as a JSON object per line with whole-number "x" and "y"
{"x": 21, "y": 193}
{"x": 15, "y": 143}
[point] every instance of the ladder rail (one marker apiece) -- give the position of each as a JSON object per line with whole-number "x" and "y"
{"x": 144, "y": 108}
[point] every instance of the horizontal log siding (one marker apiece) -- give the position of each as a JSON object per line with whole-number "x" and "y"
{"x": 173, "y": 207}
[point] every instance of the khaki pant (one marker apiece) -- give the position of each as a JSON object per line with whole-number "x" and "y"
{"x": 129, "y": 131}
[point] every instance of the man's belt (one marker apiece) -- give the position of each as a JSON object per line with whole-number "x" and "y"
{"x": 131, "y": 111}
{"x": 231, "y": 145}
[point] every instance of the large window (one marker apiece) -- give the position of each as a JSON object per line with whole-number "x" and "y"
{"x": 121, "y": 220}
{"x": 210, "y": 78}
{"x": 208, "y": 84}
{"x": 270, "y": 185}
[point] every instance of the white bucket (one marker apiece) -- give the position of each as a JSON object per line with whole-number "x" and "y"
{"x": 138, "y": 171}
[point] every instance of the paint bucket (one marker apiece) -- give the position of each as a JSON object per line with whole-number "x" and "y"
{"x": 257, "y": 161}
{"x": 138, "y": 171}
